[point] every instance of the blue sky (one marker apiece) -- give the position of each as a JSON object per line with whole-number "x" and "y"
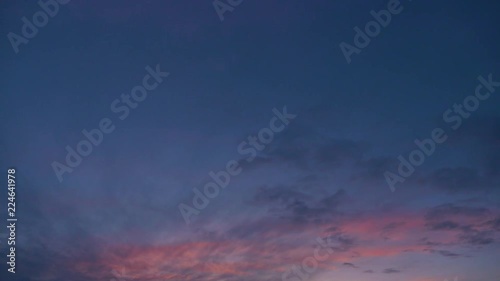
{"x": 116, "y": 215}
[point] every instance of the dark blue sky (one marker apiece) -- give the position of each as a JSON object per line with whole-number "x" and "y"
{"x": 323, "y": 175}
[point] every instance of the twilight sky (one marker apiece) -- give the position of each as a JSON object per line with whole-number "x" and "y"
{"x": 305, "y": 141}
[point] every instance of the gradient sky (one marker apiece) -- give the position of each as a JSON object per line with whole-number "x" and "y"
{"x": 323, "y": 176}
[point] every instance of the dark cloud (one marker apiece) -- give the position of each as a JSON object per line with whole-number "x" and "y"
{"x": 461, "y": 179}
{"x": 298, "y": 206}
{"x": 373, "y": 168}
{"x": 494, "y": 224}
{"x": 478, "y": 231}
{"x": 444, "y": 225}
{"x": 445, "y": 210}
{"x": 337, "y": 152}
{"x": 485, "y": 130}
{"x": 427, "y": 242}
{"x": 342, "y": 241}
{"x": 308, "y": 179}
{"x": 308, "y": 150}
{"x": 392, "y": 226}
{"x": 483, "y": 135}
{"x": 348, "y": 264}
{"x": 279, "y": 194}
{"x": 335, "y": 200}
{"x": 258, "y": 161}
{"x": 476, "y": 237}
{"x": 390, "y": 270}
{"x": 444, "y": 253}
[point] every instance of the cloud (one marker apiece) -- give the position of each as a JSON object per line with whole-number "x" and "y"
{"x": 476, "y": 237}
{"x": 446, "y": 210}
{"x": 337, "y": 152}
{"x": 390, "y": 270}
{"x": 290, "y": 203}
{"x": 444, "y": 225}
{"x": 461, "y": 179}
{"x": 279, "y": 194}
{"x": 483, "y": 136}
{"x": 445, "y": 253}
{"x": 372, "y": 169}
{"x": 348, "y": 264}
{"x": 471, "y": 225}
{"x": 494, "y": 223}
{"x": 309, "y": 150}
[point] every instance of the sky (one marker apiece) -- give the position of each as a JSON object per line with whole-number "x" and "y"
{"x": 239, "y": 141}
